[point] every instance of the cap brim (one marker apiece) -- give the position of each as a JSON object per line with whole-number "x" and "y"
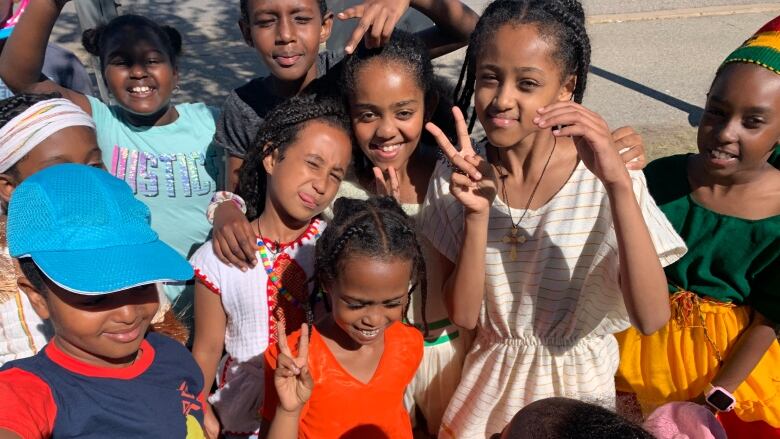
{"x": 108, "y": 270}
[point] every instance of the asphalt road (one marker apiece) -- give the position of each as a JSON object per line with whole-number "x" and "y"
{"x": 652, "y": 74}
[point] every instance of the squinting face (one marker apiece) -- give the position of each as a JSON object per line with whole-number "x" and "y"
{"x": 515, "y": 76}
{"x": 305, "y": 179}
{"x": 104, "y": 330}
{"x": 140, "y": 75}
{"x": 741, "y": 121}
{"x": 287, "y": 35}
{"x": 388, "y": 113}
{"x": 369, "y": 295}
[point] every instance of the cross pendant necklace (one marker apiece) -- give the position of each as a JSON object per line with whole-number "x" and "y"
{"x": 513, "y": 237}
{"x": 514, "y": 240}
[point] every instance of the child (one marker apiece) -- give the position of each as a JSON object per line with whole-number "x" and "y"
{"x": 90, "y": 261}
{"x": 36, "y": 131}
{"x": 348, "y": 378}
{"x": 287, "y": 37}
{"x": 302, "y": 154}
{"x": 544, "y": 272}
{"x": 554, "y": 418}
{"x": 164, "y": 152}
{"x": 721, "y": 348}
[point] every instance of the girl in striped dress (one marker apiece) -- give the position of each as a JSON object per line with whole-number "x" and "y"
{"x": 554, "y": 245}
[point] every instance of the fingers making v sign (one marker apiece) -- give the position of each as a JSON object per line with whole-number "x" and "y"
{"x": 472, "y": 182}
{"x": 292, "y": 379}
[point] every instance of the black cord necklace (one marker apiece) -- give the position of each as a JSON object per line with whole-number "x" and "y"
{"x": 277, "y": 247}
{"x": 513, "y": 237}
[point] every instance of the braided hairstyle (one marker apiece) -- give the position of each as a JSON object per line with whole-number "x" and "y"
{"x": 244, "y": 4}
{"x": 16, "y": 105}
{"x": 166, "y": 39}
{"x": 560, "y": 21}
{"x": 281, "y": 128}
{"x": 376, "y": 228}
{"x": 410, "y": 53}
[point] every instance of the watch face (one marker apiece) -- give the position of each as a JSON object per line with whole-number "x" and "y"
{"x": 720, "y": 400}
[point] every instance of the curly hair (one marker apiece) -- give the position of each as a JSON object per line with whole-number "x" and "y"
{"x": 16, "y": 105}
{"x": 408, "y": 52}
{"x": 165, "y": 38}
{"x": 376, "y": 228}
{"x": 560, "y": 21}
{"x": 244, "y": 4}
{"x": 281, "y": 128}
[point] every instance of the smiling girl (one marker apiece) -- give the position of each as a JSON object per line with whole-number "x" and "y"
{"x": 721, "y": 347}
{"x": 553, "y": 245}
{"x": 163, "y": 151}
{"x": 291, "y": 176}
{"x": 348, "y": 378}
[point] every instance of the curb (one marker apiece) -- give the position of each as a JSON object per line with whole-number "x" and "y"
{"x": 707, "y": 11}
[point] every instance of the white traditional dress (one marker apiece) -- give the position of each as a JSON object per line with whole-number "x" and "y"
{"x": 547, "y": 318}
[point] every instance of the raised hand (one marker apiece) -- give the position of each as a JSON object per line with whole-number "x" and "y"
{"x": 387, "y": 186}
{"x": 377, "y": 21}
{"x": 592, "y": 138}
{"x": 292, "y": 379}
{"x": 472, "y": 182}
{"x": 631, "y": 147}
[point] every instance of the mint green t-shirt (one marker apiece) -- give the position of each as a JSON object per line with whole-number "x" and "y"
{"x": 173, "y": 169}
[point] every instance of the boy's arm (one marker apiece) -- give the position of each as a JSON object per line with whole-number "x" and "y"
{"x": 21, "y": 62}
{"x": 28, "y": 407}
{"x": 454, "y": 23}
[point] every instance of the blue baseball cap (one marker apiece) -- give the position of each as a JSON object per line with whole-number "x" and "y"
{"x": 87, "y": 233}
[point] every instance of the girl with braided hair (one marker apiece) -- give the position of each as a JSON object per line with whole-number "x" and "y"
{"x": 569, "y": 252}
{"x": 300, "y": 157}
{"x": 347, "y": 379}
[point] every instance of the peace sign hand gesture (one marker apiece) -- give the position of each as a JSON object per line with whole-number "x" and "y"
{"x": 472, "y": 182}
{"x": 388, "y": 186}
{"x": 292, "y": 379}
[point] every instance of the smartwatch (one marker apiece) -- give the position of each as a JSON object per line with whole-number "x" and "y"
{"x": 719, "y": 398}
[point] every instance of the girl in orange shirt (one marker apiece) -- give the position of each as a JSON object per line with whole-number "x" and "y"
{"x": 360, "y": 354}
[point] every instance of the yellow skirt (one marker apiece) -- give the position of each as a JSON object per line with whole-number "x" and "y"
{"x": 678, "y": 361}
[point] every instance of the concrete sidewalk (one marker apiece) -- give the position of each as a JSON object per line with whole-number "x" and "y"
{"x": 650, "y": 73}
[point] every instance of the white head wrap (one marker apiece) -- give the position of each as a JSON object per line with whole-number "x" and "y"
{"x": 27, "y": 130}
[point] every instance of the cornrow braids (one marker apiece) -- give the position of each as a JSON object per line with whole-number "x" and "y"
{"x": 374, "y": 228}
{"x": 244, "y": 5}
{"x": 279, "y": 130}
{"x": 16, "y": 105}
{"x": 562, "y": 21}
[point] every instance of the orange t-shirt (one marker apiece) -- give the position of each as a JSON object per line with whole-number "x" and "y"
{"x": 342, "y": 406}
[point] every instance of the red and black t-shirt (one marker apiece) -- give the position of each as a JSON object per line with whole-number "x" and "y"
{"x": 52, "y": 394}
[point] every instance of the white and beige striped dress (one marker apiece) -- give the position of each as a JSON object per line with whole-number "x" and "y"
{"x": 547, "y": 319}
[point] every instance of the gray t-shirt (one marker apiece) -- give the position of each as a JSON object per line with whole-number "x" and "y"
{"x": 62, "y": 67}
{"x": 245, "y": 109}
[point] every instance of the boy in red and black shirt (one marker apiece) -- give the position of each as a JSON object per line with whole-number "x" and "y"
{"x": 91, "y": 262}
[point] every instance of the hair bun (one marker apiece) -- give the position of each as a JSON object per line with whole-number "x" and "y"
{"x": 90, "y": 39}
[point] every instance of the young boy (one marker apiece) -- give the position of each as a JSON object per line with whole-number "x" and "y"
{"x": 91, "y": 260}
{"x": 287, "y": 35}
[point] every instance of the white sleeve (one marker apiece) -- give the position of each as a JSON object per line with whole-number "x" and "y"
{"x": 668, "y": 244}
{"x": 441, "y": 218}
